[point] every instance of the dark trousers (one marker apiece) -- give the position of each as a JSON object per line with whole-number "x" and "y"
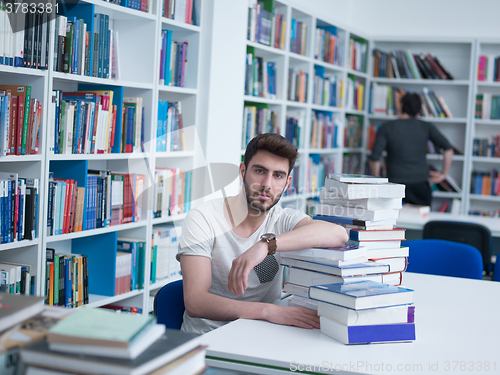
{"x": 419, "y": 193}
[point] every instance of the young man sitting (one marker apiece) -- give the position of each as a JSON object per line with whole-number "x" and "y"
{"x": 230, "y": 248}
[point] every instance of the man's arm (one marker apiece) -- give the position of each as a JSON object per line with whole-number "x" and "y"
{"x": 306, "y": 234}
{"x": 437, "y": 177}
{"x": 200, "y": 303}
{"x": 374, "y": 167}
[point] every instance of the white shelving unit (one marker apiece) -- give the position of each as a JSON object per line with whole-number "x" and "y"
{"x": 483, "y": 128}
{"x": 458, "y": 56}
{"x": 285, "y": 59}
{"x": 140, "y": 46}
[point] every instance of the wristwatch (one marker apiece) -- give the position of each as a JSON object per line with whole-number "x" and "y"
{"x": 270, "y": 238}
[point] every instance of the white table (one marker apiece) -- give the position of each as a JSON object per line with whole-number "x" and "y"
{"x": 413, "y": 221}
{"x": 456, "y": 320}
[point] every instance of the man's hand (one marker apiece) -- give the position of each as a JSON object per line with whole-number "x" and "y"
{"x": 242, "y": 265}
{"x": 436, "y": 177}
{"x": 293, "y": 316}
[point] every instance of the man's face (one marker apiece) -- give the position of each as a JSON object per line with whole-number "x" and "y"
{"x": 265, "y": 180}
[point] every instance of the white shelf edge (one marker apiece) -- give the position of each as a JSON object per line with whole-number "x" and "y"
{"x": 485, "y": 159}
{"x": 173, "y": 154}
{"x": 412, "y": 81}
{"x": 121, "y": 9}
{"x": 168, "y": 219}
{"x": 162, "y": 283}
{"x": 258, "y": 99}
{"x": 96, "y": 300}
{"x": 94, "y": 232}
{"x": 177, "y": 89}
{"x": 488, "y": 198}
{"x": 23, "y": 71}
{"x": 21, "y": 158}
{"x": 266, "y": 48}
{"x": 118, "y": 156}
{"x": 180, "y": 25}
{"x": 19, "y": 244}
{"x": 100, "y": 81}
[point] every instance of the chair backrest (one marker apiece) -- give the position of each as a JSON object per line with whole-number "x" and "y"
{"x": 445, "y": 258}
{"x": 496, "y": 274}
{"x": 169, "y": 305}
{"x": 473, "y": 234}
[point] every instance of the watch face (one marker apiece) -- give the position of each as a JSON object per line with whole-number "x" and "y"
{"x": 268, "y": 236}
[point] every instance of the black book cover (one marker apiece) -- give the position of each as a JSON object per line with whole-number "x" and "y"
{"x": 448, "y": 75}
{"x": 434, "y": 75}
{"x": 421, "y": 67}
{"x": 62, "y": 292}
{"x": 40, "y": 35}
{"x": 28, "y": 215}
{"x": 34, "y": 50}
{"x": 85, "y": 280}
{"x": 27, "y": 44}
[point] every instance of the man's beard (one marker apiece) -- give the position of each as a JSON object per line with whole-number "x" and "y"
{"x": 255, "y": 203}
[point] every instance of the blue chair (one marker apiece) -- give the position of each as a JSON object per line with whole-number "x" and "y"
{"x": 169, "y": 305}
{"x": 445, "y": 258}
{"x": 473, "y": 234}
{"x": 496, "y": 274}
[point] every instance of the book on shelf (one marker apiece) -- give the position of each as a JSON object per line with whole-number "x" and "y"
{"x": 298, "y": 37}
{"x": 448, "y": 184}
{"x": 330, "y": 43}
{"x": 488, "y": 68}
{"x": 324, "y": 130}
{"x": 353, "y": 132}
{"x": 384, "y": 315}
{"x": 173, "y": 60}
{"x": 258, "y": 119}
{"x": 20, "y": 120}
{"x": 354, "y": 94}
{"x": 485, "y": 182}
{"x": 362, "y": 295}
{"x": 260, "y": 76}
{"x": 360, "y": 191}
{"x": 355, "y": 269}
{"x": 377, "y": 333}
{"x": 358, "y": 52}
{"x": 66, "y": 279}
{"x": 265, "y": 24}
{"x": 137, "y": 250}
{"x": 295, "y": 125}
{"x": 297, "y": 85}
{"x": 405, "y": 64}
{"x": 187, "y": 11}
{"x": 487, "y": 106}
{"x": 326, "y": 88}
{"x": 166, "y": 349}
{"x": 164, "y": 249}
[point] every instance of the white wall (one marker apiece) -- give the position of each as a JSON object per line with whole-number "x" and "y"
{"x": 338, "y": 12}
{"x": 426, "y": 18}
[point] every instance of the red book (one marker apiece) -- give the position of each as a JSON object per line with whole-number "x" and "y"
{"x": 31, "y": 121}
{"x": 128, "y": 198}
{"x": 436, "y": 67}
{"x": 444, "y": 206}
{"x": 72, "y": 213}
{"x": 113, "y": 127}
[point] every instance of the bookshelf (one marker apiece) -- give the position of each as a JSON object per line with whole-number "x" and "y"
{"x": 458, "y": 56}
{"x": 324, "y": 64}
{"x": 139, "y": 77}
{"x": 484, "y": 127}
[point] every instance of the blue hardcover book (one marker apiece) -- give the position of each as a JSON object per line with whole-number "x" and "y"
{"x": 362, "y": 295}
{"x": 107, "y": 36}
{"x": 168, "y": 57}
{"x": 367, "y": 334}
{"x": 131, "y": 247}
{"x": 68, "y": 284}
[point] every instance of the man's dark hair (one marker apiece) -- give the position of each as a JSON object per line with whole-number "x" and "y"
{"x": 273, "y": 143}
{"x": 411, "y": 104}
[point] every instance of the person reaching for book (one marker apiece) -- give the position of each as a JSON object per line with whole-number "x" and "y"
{"x": 230, "y": 248}
{"x": 405, "y": 141}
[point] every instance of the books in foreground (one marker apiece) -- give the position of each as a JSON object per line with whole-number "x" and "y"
{"x": 367, "y": 334}
{"x": 360, "y": 191}
{"x": 172, "y": 345}
{"x": 358, "y": 178}
{"x": 362, "y": 295}
{"x": 15, "y": 309}
{"x": 104, "y": 333}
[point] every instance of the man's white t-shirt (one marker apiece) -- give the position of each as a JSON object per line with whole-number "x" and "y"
{"x": 205, "y": 232}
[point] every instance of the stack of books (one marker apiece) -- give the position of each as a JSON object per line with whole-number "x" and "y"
{"x": 99, "y": 341}
{"x": 368, "y": 210}
{"x": 365, "y": 312}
